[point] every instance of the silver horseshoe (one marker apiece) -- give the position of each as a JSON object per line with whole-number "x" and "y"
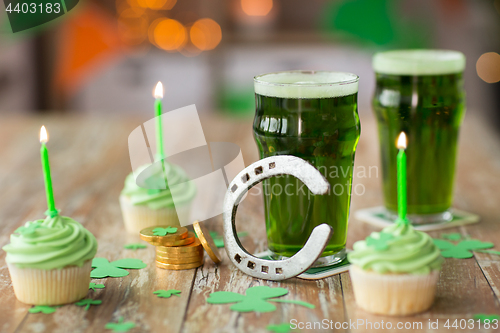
{"x": 250, "y": 176}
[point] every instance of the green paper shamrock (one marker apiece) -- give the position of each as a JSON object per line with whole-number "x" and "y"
{"x": 218, "y": 239}
{"x": 134, "y": 246}
{"x": 88, "y": 302}
{"x": 120, "y": 326}
{"x": 164, "y": 231}
{"x": 95, "y": 286}
{"x": 167, "y": 293}
{"x": 104, "y": 268}
{"x": 30, "y": 229}
{"x": 489, "y": 252}
{"x": 255, "y": 299}
{"x": 281, "y": 328}
{"x": 462, "y": 249}
{"x": 454, "y": 236}
{"x": 379, "y": 243}
{"x": 483, "y": 317}
{"x": 43, "y": 309}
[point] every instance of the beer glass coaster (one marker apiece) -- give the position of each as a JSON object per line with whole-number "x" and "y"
{"x": 315, "y": 273}
{"x": 376, "y": 216}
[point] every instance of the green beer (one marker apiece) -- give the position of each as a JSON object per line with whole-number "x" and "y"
{"x": 420, "y": 92}
{"x": 312, "y": 115}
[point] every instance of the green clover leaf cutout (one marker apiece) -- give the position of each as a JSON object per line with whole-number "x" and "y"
{"x": 88, "y": 302}
{"x": 255, "y": 299}
{"x": 104, "y": 268}
{"x": 483, "y": 317}
{"x": 454, "y": 236}
{"x": 461, "y": 250}
{"x": 95, "y": 286}
{"x": 30, "y": 229}
{"x": 43, "y": 309}
{"x": 134, "y": 246}
{"x": 380, "y": 242}
{"x": 164, "y": 231}
{"x": 120, "y": 326}
{"x": 167, "y": 293}
{"x": 281, "y": 328}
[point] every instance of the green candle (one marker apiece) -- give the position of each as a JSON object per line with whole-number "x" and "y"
{"x": 159, "y": 133}
{"x": 401, "y": 160}
{"x": 52, "y": 211}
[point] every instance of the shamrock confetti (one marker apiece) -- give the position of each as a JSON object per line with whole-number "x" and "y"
{"x": 134, "y": 246}
{"x": 484, "y": 317}
{"x": 379, "y": 243}
{"x": 120, "y": 326}
{"x": 30, "y": 229}
{"x": 95, "y": 286}
{"x": 281, "y": 328}
{"x": 489, "y": 252}
{"x": 104, "y": 268}
{"x": 43, "y": 309}
{"x": 462, "y": 249}
{"x": 219, "y": 240}
{"x": 88, "y": 302}
{"x": 255, "y": 299}
{"x": 164, "y": 231}
{"x": 167, "y": 293}
{"x": 454, "y": 236}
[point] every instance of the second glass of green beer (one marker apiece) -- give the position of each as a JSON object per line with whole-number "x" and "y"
{"x": 312, "y": 115}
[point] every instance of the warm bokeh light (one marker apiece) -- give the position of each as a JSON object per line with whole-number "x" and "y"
{"x": 157, "y": 4}
{"x": 488, "y": 67}
{"x": 133, "y": 26}
{"x": 44, "y": 136}
{"x": 205, "y": 34}
{"x": 170, "y": 35}
{"x": 158, "y": 90}
{"x": 401, "y": 141}
{"x": 256, "y": 7}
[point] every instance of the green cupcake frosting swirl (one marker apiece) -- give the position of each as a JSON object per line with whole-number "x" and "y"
{"x": 183, "y": 191}
{"x": 397, "y": 249}
{"x": 55, "y": 242}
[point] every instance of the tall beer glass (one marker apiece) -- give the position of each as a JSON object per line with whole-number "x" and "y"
{"x": 312, "y": 115}
{"x": 422, "y": 93}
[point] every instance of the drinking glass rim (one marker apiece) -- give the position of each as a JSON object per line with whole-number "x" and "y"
{"x": 353, "y": 79}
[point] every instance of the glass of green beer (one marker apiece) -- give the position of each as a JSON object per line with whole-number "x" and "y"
{"x": 312, "y": 115}
{"x": 420, "y": 92}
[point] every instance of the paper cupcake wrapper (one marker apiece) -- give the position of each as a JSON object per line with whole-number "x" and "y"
{"x": 138, "y": 217}
{"x": 52, "y": 286}
{"x": 393, "y": 294}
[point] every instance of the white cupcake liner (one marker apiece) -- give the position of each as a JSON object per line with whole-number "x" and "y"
{"x": 393, "y": 294}
{"x": 50, "y": 286}
{"x": 138, "y": 217}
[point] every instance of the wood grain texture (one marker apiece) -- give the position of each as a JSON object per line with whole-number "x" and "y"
{"x": 89, "y": 160}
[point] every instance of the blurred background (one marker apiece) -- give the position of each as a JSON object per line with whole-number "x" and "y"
{"x": 105, "y": 56}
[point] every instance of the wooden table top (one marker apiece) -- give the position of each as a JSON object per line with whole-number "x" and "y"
{"x": 89, "y": 159}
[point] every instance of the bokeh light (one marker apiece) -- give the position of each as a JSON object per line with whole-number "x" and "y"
{"x": 205, "y": 34}
{"x": 133, "y": 26}
{"x": 488, "y": 67}
{"x": 157, "y": 4}
{"x": 170, "y": 35}
{"x": 256, "y": 7}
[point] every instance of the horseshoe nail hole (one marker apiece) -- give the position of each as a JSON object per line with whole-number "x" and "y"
{"x": 279, "y": 270}
{"x": 245, "y": 178}
{"x": 237, "y": 258}
{"x": 251, "y": 265}
{"x": 258, "y": 170}
{"x": 234, "y": 188}
{"x": 272, "y": 165}
{"x": 265, "y": 269}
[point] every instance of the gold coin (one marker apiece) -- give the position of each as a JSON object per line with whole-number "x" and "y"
{"x": 181, "y": 242}
{"x": 194, "y": 247}
{"x": 156, "y": 238}
{"x": 207, "y": 241}
{"x": 179, "y": 267}
{"x": 179, "y": 261}
{"x": 181, "y": 255}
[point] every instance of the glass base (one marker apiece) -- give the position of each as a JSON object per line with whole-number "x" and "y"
{"x": 322, "y": 261}
{"x": 423, "y": 218}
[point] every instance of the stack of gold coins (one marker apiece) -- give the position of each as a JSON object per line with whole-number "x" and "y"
{"x": 176, "y": 247}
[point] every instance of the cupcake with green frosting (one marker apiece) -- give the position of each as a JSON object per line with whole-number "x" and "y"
{"x": 395, "y": 271}
{"x": 50, "y": 261}
{"x": 153, "y": 203}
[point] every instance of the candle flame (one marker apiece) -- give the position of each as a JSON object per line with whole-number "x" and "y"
{"x": 44, "y": 136}
{"x": 158, "y": 90}
{"x": 401, "y": 141}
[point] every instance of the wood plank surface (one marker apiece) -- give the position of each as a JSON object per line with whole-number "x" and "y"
{"x": 89, "y": 160}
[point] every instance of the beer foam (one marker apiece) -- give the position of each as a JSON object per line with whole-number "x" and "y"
{"x": 306, "y": 84}
{"x": 419, "y": 62}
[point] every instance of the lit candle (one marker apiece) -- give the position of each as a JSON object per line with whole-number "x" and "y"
{"x": 158, "y": 94}
{"x": 52, "y": 211}
{"x": 402, "y": 203}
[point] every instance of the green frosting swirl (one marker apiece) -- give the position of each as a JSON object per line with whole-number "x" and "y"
{"x": 397, "y": 249}
{"x": 55, "y": 242}
{"x": 183, "y": 191}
